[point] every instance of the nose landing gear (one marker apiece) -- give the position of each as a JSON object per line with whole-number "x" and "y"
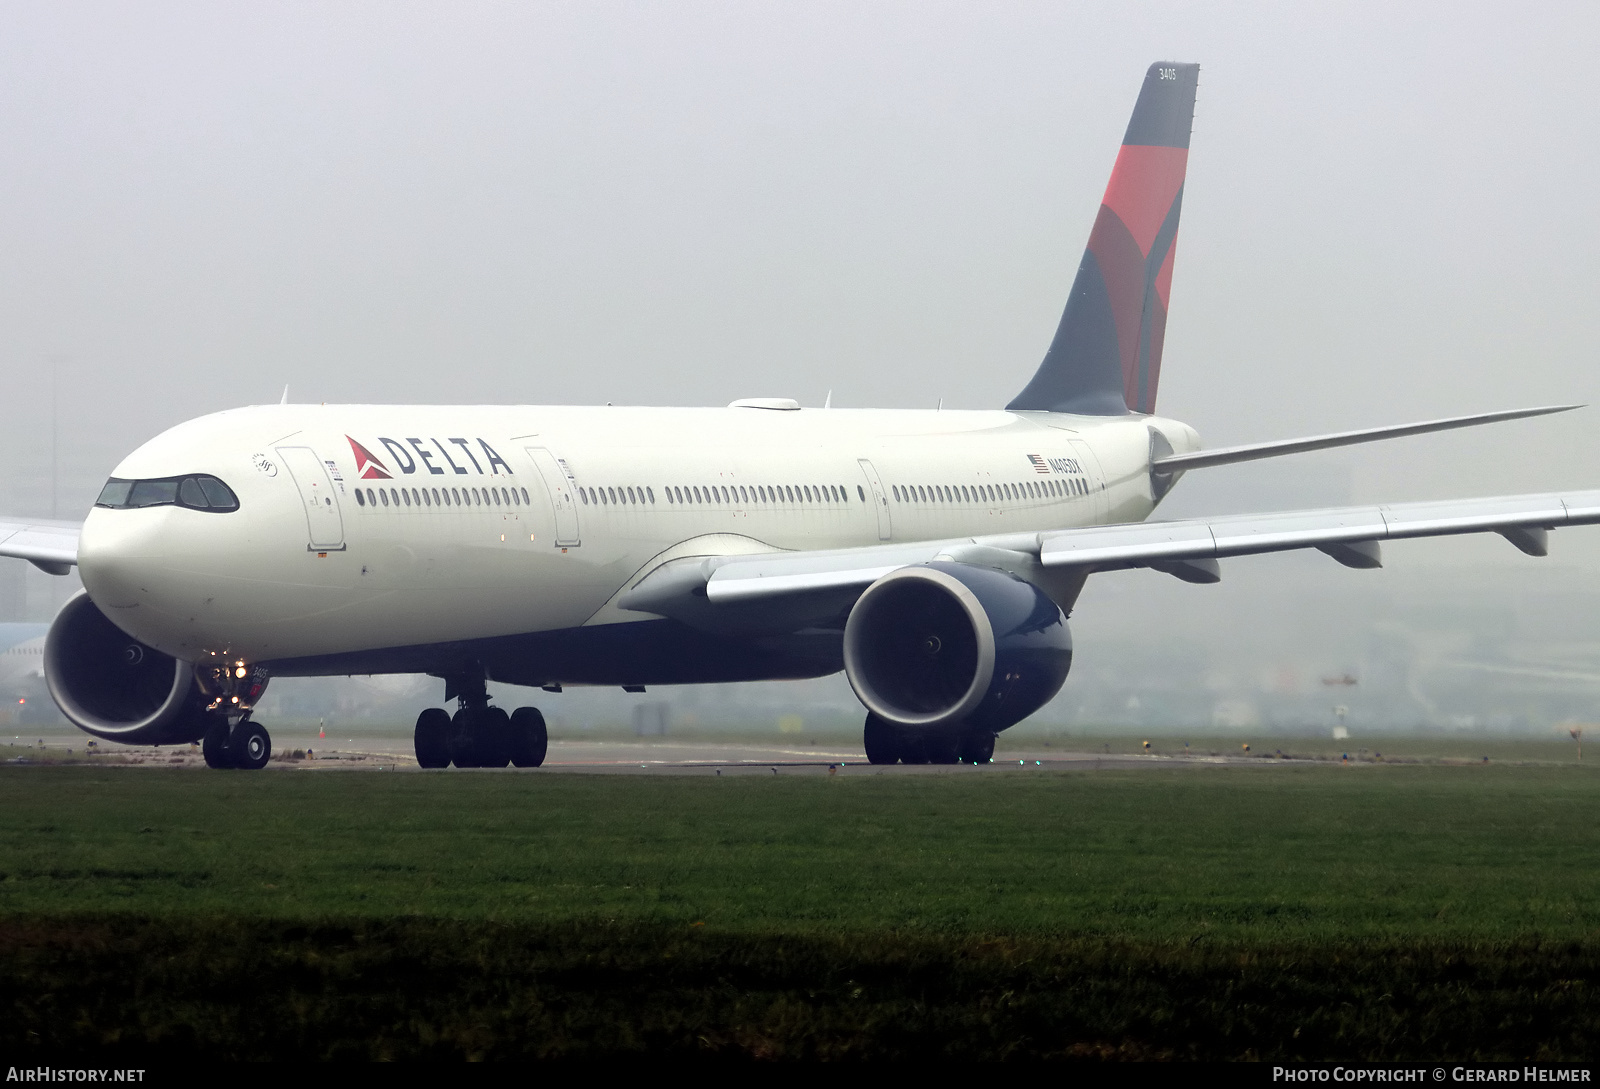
{"x": 478, "y": 735}
{"x": 246, "y": 745}
{"x": 232, "y": 740}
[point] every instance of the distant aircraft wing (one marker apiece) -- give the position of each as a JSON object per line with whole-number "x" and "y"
{"x": 1189, "y": 549}
{"x": 48, "y": 545}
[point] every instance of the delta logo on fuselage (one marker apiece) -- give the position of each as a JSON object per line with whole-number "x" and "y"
{"x": 418, "y": 457}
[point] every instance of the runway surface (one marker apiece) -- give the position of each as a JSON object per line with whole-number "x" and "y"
{"x": 621, "y": 757}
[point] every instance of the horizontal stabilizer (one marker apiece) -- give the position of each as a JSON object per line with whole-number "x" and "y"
{"x": 1229, "y": 455}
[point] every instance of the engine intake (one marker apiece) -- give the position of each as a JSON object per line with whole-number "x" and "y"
{"x": 113, "y": 686}
{"x": 952, "y": 644}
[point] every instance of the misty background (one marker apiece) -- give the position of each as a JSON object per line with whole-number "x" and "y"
{"x": 1389, "y": 216}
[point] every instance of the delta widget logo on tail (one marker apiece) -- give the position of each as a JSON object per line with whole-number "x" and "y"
{"x": 413, "y": 456}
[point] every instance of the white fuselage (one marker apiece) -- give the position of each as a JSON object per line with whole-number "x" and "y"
{"x": 481, "y": 521}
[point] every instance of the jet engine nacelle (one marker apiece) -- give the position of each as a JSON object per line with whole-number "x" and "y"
{"x": 113, "y": 686}
{"x": 941, "y": 645}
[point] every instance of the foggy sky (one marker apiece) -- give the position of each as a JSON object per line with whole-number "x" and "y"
{"x": 1390, "y": 215}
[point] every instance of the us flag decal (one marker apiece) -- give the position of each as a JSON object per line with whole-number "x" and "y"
{"x": 1039, "y": 464}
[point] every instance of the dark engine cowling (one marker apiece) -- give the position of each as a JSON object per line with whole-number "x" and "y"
{"x": 941, "y": 645}
{"x": 113, "y": 686}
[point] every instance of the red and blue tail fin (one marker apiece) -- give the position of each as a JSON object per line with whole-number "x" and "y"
{"x": 1106, "y": 356}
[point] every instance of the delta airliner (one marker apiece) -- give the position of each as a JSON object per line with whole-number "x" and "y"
{"x": 933, "y": 556}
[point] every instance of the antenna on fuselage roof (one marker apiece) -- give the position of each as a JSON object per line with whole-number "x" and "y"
{"x": 827, "y": 402}
{"x": 285, "y": 398}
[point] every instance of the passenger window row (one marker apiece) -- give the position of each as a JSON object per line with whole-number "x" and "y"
{"x": 617, "y": 497}
{"x": 1055, "y": 487}
{"x": 770, "y": 495}
{"x": 706, "y": 495}
{"x": 442, "y": 497}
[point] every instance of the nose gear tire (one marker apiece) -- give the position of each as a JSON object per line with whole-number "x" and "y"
{"x": 214, "y": 746}
{"x": 250, "y": 746}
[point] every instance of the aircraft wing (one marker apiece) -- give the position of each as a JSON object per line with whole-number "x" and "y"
{"x": 1188, "y": 549}
{"x": 48, "y": 545}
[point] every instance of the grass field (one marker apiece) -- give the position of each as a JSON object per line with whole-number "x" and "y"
{"x": 1276, "y": 911}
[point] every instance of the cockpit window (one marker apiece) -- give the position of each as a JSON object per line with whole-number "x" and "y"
{"x": 195, "y": 492}
{"x": 115, "y": 493}
{"x": 153, "y": 493}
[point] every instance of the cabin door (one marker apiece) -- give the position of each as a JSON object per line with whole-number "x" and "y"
{"x": 324, "y": 522}
{"x": 562, "y": 490}
{"x": 878, "y": 498}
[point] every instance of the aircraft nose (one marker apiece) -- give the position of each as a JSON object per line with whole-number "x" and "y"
{"x": 120, "y": 555}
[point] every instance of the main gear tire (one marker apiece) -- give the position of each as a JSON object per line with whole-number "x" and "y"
{"x": 941, "y": 748}
{"x": 880, "y": 740}
{"x": 977, "y": 748}
{"x": 432, "y": 738}
{"x": 494, "y": 738}
{"x": 464, "y": 739}
{"x": 530, "y": 740}
{"x": 913, "y": 748}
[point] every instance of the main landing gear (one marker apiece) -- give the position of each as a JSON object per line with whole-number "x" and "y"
{"x": 889, "y": 744}
{"x": 477, "y": 735}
